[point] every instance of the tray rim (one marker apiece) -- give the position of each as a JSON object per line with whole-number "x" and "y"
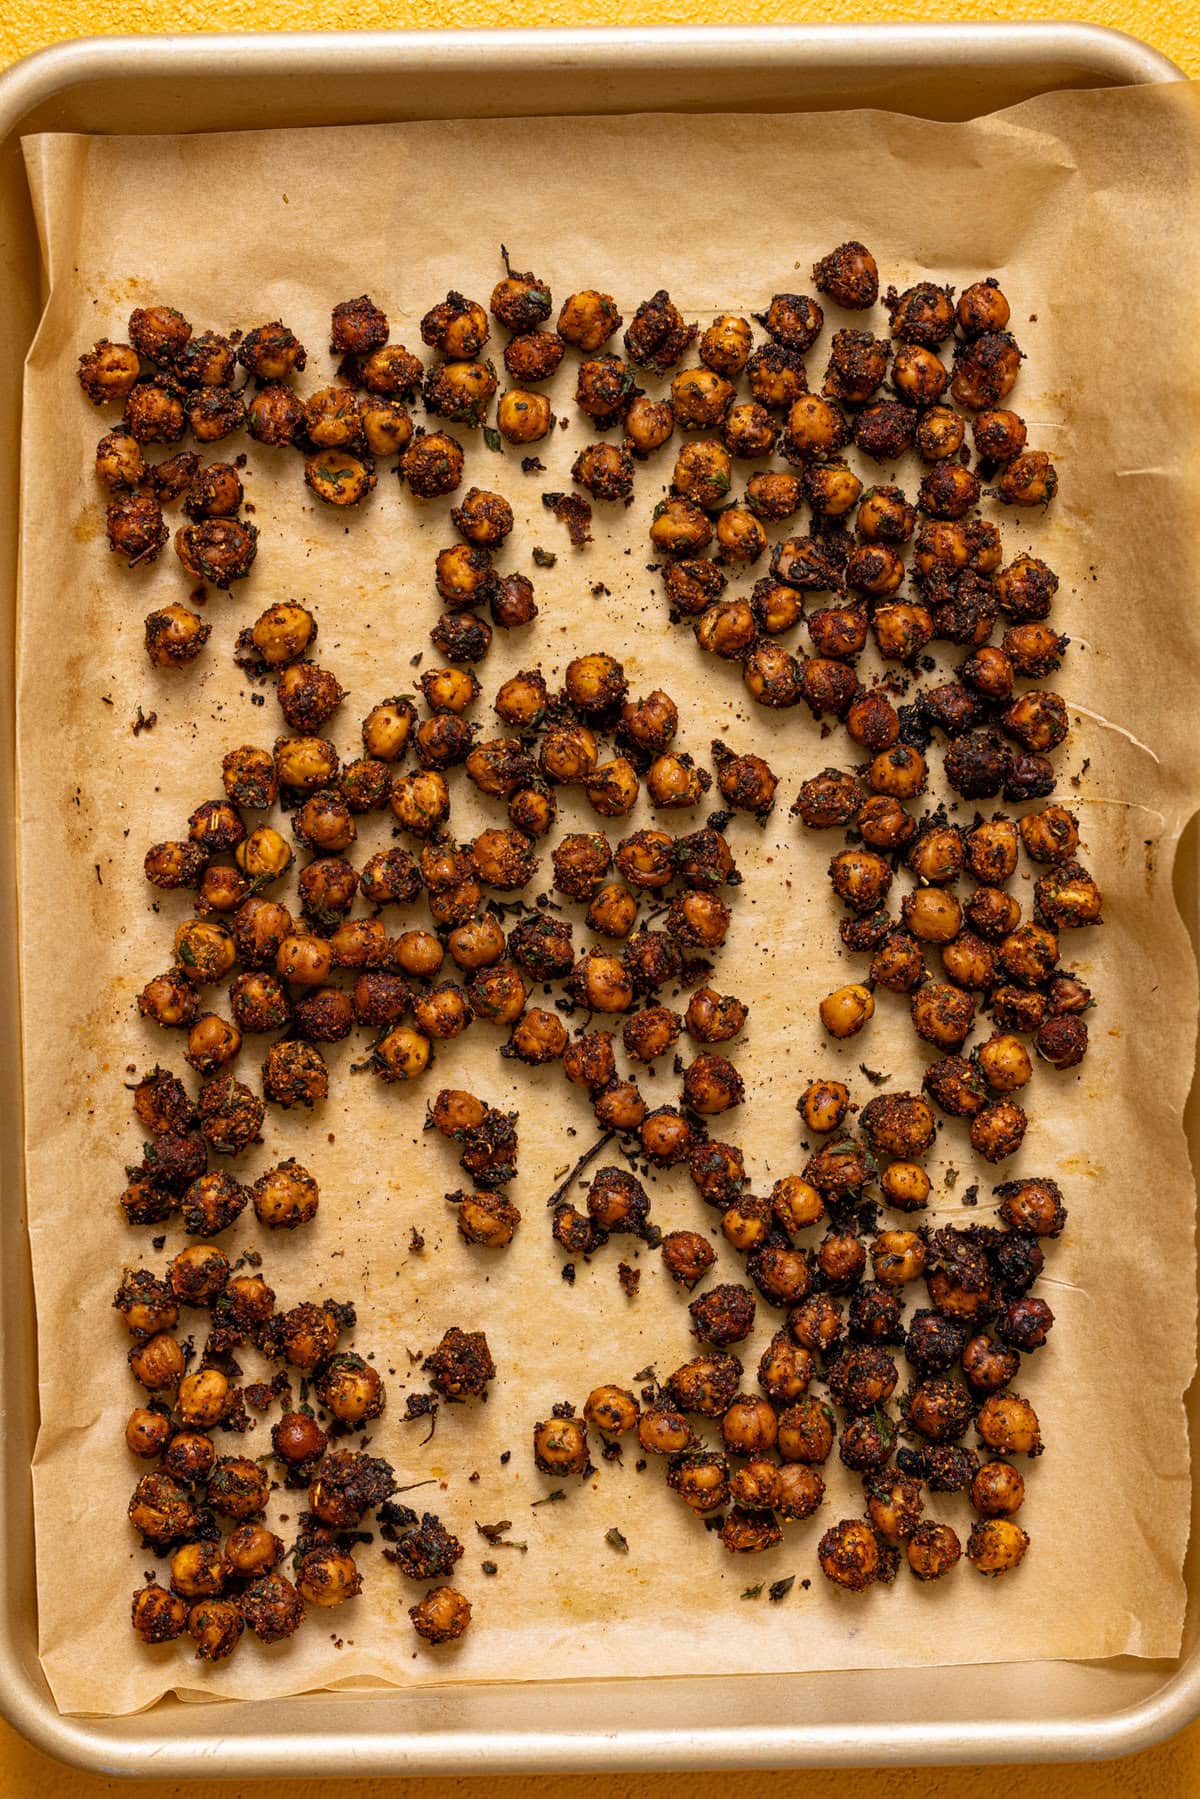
{"x": 117, "y": 1746}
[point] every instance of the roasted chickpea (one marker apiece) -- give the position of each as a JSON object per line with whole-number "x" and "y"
{"x": 157, "y": 1615}
{"x": 845, "y": 1012}
{"x": 998, "y": 1490}
{"x": 701, "y": 1480}
{"x": 700, "y": 398}
{"x": 901, "y": 630}
{"x": 560, "y": 1446}
{"x": 898, "y": 963}
{"x": 175, "y": 636}
{"x": 108, "y": 371}
{"x": 648, "y": 425}
{"x": 932, "y": 915}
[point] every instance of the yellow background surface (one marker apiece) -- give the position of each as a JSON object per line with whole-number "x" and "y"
{"x": 1171, "y": 1772}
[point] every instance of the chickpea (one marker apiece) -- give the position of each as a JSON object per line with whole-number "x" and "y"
{"x": 700, "y": 398}
{"x": 680, "y": 528}
{"x": 673, "y": 781}
{"x": 158, "y": 1616}
{"x": 932, "y": 915}
{"x": 581, "y": 861}
{"x": 985, "y": 368}
{"x": 996, "y": 1545}
{"x": 849, "y": 275}
{"x": 664, "y": 1431}
{"x": 701, "y": 1480}
{"x": 901, "y": 630}
{"x": 727, "y": 629}
{"x": 997, "y": 1130}
{"x": 560, "y": 1446}
{"x": 175, "y": 636}
{"x": 613, "y": 1411}
{"x": 998, "y": 1490}
{"x": 588, "y": 319}
{"x": 898, "y": 963}
{"x": 942, "y": 1015}
{"x": 749, "y": 1428}
{"x": 777, "y": 379}
{"x": 919, "y": 376}
{"x": 823, "y": 1105}
{"x": 612, "y": 788}
{"x": 796, "y": 1204}
{"x": 108, "y": 371}
{"x": 649, "y": 424}
{"x": 749, "y": 432}
{"x": 157, "y": 1363}
{"x": 687, "y": 1257}
{"x": 845, "y": 1012}
{"x": 861, "y": 879}
{"x": 771, "y": 675}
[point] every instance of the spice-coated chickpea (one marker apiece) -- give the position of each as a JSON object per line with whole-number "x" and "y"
{"x": 785, "y": 1370}
{"x": 700, "y": 398}
{"x": 998, "y": 1490}
{"x": 560, "y": 1446}
{"x": 613, "y": 1411}
{"x": 996, "y": 1546}
{"x": 749, "y": 1427}
{"x": 588, "y": 319}
{"x": 749, "y": 432}
{"x": 849, "y": 275}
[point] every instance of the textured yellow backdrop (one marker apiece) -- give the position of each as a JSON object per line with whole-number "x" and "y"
{"x": 1172, "y": 1772}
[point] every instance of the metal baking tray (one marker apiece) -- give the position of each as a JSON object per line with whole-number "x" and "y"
{"x": 219, "y": 83}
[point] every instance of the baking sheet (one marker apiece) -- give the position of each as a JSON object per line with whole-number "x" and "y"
{"x": 1069, "y": 200}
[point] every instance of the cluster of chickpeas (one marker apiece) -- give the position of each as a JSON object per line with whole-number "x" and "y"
{"x": 844, "y": 1303}
{"x": 286, "y": 966}
{"x": 217, "y": 1587}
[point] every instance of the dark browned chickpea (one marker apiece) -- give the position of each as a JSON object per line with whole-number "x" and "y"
{"x": 603, "y": 388}
{"x": 897, "y": 772}
{"x": 838, "y": 633}
{"x": 119, "y": 461}
{"x": 948, "y": 491}
{"x": 520, "y": 301}
{"x": 218, "y": 550}
{"x": 432, "y": 465}
{"x": 657, "y": 336}
{"x": 997, "y": 1130}
{"x": 969, "y": 962}
{"x": 135, "y": 527}
{"x": 898, "y": 963}
{"x": 533, "y": 356}
{"x": 750, "y": 432}
{"x": 857, "y": 365}
{"x": 849, "y": 275}
{"x": 740, "y": 536}
{"x": 1049, "y": 835}
{"x": 712, "y": 1085}
{"x": 1067, "y": 897}
{"x": 456, "y": 326}
{"x": 985, "y": 368}
{"x": 998, "y": 1490}
{"x": 885, "y": 431}
{"x": 442, "y": 1616}
{"x": 771, "y": 675}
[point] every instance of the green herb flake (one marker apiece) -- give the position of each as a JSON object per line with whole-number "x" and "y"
{"x": 779, "y": 1589}
{"x": 752, "y": 1592}
{"x": 615, "y": 1540}
{"x": 491, "y": 438}
{"x": 543, "y": 558}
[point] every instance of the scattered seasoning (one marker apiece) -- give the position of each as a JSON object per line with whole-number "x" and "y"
{"x": 589, "y": 1155}
{"x": 616, "y": 1540}
{"x": 495, "y": 1535}
{"x": 779, "y": 1589}
{"x": 752, "y": 1592}
{"x": 873, "y": 1075}
{"x": 573, "y": 511}
{"x": 630, "y": 1279}
{"x": 543, "y": 558}
{"x": 491, "y": 438}
{"x": 548, "y": 1499}
{"x": 532, "y": 465}
{"x": 489, "y": 1567}
{"x": 416, "y": 1241}
{"x": 145, "y": 721}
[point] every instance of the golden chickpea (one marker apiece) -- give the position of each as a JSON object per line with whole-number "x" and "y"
{"x": 700, "y": 398}
{"x": 823, "y": 1105}
{"x": 588, "y": 319}
{"x": 996, "y": 1546}
{"x": 157, "y": 1363}
{"x": 560, "y": 1446}
{"x": 932, "y": 915}
{"x": 649, "y": 424}
{"x": 613, "y": 1411}
{"x": 898, "y": 1257}
{"x": 158, "y": 1616}
{"x": 932, "y": 1550}
{"x": 845, "y": 1011}
{"x": 905, "y": 1185}
{"x": 202, "y": 1398}
{"x": 749, "y": 1428}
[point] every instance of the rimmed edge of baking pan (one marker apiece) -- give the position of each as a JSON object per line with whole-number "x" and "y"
{"x": 994, "y": 1713}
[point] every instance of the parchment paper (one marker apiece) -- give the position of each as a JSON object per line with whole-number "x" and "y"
{"x": 1081, "y": 205}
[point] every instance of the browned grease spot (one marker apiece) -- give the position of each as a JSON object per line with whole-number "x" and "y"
{"x": 88, "y": 525}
